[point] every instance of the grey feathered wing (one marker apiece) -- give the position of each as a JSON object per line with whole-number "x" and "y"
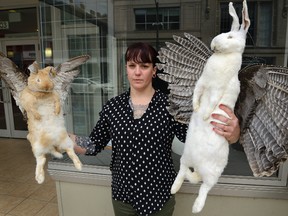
{"x": 184, "y": 63}
{"x": 17, "y": 80}
{"x": 13, "y": 77}
{"x": 66, "y": 72}
{"x": 261, "y": 107}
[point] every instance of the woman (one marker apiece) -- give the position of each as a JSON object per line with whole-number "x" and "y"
{"x": 141, "y": 130}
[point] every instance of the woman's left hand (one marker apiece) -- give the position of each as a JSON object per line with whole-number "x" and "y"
{"x": 230, "y": 128}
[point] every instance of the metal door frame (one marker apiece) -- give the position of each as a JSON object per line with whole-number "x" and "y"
{"x": 10, "y": 131}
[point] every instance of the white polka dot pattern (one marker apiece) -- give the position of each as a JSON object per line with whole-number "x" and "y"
{"x": 142, "y": 167}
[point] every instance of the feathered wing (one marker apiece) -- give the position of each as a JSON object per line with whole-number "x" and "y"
{"x": 17, "y": 80}
{"x": 262, "y": 108}
{"x": 65, "y": 73}
{"x": 13, "y": 77}
{"x": 183, "y": 65}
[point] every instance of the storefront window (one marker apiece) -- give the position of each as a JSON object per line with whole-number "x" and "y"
{"x": 104, "y": 28}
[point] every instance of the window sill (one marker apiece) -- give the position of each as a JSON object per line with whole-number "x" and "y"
{"x": 96, "y": 172}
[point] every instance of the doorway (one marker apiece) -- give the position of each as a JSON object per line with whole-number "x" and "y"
{"x": 12, "y": 123}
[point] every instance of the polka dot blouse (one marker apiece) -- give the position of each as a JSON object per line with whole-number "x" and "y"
{"x": 142, "y": 167}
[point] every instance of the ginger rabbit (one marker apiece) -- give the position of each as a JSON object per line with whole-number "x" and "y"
{"x": 47, "y": 132}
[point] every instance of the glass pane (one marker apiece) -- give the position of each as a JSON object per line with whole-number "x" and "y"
{"x": 265, "y": 24}
{"x": 86, "y": 89}
{"x": 140, "y": 26}
{"x": 82, "y": 29}
{"x": 46, "y": 28}
{"x": 19, "y": 122}
{"x": 140, "y": 18}
{"x": 22, "y": 56}
{"x": 3, "y": 124}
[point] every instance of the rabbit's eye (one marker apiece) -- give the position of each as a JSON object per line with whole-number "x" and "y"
{"x": 38, "y": 80}
{"x": 230, "y": 37}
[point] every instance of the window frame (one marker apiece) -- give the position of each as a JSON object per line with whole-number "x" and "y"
{"x": 96, "y": 172}
{"x": 163, "y": 13}
{"x": 280, "y": 180}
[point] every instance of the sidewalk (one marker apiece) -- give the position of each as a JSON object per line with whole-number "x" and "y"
{"x": 20, "y": 194}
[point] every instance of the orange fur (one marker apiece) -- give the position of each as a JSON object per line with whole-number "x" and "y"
{"x": 47, "y": 132}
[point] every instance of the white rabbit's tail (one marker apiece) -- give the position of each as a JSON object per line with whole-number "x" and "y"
{"x": 183, "y": 173}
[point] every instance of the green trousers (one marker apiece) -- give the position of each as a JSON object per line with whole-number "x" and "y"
{"x": 124, "y": 209}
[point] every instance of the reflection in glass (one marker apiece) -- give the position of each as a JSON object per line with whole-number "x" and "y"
{"x": 80, "y": 28}
{"x": 3, "y": 124}
{"x": 85, "y": 28}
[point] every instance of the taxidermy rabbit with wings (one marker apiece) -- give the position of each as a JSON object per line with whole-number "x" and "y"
{"x": 40, "y": 97}
{"x": 200, "y": 80}
{"x": 206, "y": 151}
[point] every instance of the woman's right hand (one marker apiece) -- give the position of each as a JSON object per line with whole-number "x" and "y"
{"x": 78, "y": 149}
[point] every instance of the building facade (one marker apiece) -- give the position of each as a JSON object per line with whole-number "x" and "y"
{"x": 53, "y": 31}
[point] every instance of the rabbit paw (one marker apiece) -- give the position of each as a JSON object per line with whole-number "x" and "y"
{"x": 198, "y": 206}
{"x": 175, "y": 187}
{"x": 78, "y": 165}
{"x": 40, "y": 177}
{"x": 206, "y": 116}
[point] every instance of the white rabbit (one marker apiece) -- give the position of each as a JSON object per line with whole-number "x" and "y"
{"x": 47, "y": 132}
{"x": 206, "y": 151}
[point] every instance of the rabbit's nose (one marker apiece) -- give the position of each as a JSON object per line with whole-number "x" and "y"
{"x": 213, "y": 47}
{"x": 48, "y": 87}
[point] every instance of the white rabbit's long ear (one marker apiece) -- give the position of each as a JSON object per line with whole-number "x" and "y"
{"x": 34, "y": 67}
{"x": 235, "y": 24}
{"x": 245, "y": 17}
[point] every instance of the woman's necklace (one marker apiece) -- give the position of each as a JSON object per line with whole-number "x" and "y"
{"x": 138, "y": 109}
{"x": 140, "y": 106}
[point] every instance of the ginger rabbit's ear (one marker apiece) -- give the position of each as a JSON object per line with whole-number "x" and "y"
{"x": 52, "y": 72}
{"x": 245, "y": 17}
{"x": 235, "y": 24}
{"x": 34, "y": 67}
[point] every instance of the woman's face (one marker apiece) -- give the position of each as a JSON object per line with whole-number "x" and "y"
{"x": 140, "y": 74}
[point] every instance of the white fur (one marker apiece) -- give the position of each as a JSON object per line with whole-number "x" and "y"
{"x": 206, "y": 151}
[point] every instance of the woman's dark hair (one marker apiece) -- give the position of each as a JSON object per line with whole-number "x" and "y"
{"x": 141, "y": 52}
